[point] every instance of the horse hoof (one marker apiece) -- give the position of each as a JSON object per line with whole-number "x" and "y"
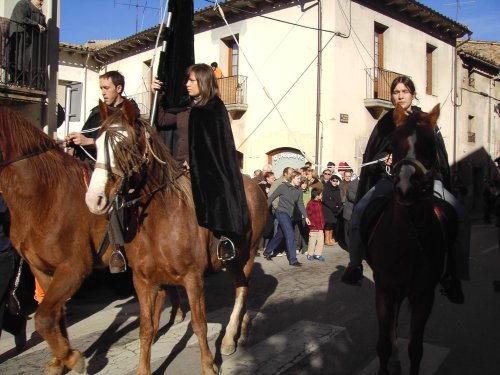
{"x": 212, "y": 370}
{"x": 227, "y": 349}
{"x": 54, "y": 367}
{"x": 76, "y": 362}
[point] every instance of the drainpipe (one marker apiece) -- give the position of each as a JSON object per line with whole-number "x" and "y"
{"x": 318, "y": 89}
{"x": 455, "y": 106}
{"x": 84, "y": 93}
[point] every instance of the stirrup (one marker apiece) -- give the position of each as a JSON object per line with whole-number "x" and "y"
{"x": 117, "y": 262}
{"x": 225, "y": 249}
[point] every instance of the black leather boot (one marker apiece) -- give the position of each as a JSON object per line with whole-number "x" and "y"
{"x": 352, "y": 275}
{"x": 451, "y": 287}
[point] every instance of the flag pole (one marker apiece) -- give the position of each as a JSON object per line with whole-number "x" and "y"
{"x": 154, "y": 105}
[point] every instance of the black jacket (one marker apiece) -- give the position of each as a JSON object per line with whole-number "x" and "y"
{"x": 216, "y": 180}
{"x": 379, "y": 145}
{"x": 94, "y": 122}
{"x": 332, "y": 202}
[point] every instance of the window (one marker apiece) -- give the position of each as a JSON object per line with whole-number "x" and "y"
{"x": 233, "y": 55}
{"x": 429, "y": 89}
{"x": 471, "y": 130}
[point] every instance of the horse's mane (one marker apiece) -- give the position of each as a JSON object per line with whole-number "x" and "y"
{"x": 163, "y": 171}
{"x": 18, "y": 137}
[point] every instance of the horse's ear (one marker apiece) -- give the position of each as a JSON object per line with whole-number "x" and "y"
{"x": 434, "y": 115}
{"x": 399, "y": 115}
{"x": 103, "y": 110}
{"x": 129, "y": 111}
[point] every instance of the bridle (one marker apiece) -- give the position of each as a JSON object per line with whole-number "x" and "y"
{"x": 427, "y": 185}
{"x": 120, "y": 197}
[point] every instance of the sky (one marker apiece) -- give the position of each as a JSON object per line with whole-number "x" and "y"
{"x": 116, "y": 19}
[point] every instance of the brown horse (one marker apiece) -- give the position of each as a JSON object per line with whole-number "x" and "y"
{"x": 165, "y": 245}
{"x": 51, "y": 227}
{"x": 406, "y": 248}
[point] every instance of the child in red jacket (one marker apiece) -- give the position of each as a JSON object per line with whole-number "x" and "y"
{"x": 315, "y": 213}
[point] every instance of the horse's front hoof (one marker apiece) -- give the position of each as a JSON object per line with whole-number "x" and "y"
{"x": 54, "y": 367}
{"x": 76, "y": 362}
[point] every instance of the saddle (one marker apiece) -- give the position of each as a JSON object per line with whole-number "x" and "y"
{"x": 443, "y": 211}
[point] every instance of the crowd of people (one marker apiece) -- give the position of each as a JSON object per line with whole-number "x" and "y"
{"x": 306, "y": 210}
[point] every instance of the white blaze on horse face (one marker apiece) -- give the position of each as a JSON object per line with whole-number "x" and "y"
{"x": 411, "y": 142}
{"x": 96, "y": 198}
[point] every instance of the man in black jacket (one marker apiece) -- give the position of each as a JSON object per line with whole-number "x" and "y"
{"x": 112, "y": 85}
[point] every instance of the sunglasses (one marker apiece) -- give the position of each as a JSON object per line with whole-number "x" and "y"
{"x": 328, "y": 174}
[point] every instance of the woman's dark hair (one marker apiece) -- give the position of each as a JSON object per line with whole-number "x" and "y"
{"x": 315, "y": 192}
{"x": 405, "y": 80}
{"x": 207, "y": 84}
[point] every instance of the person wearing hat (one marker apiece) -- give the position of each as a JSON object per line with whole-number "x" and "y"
{"x": 332, "y": 206}
{"x": 343, "y": 166}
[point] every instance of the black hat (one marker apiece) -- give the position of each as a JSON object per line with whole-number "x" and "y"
{"x": 335, "y": 177}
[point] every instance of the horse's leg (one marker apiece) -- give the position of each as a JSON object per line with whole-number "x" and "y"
{"x": 196, "y": 295}
{"x": 386, "y": 314}
{"x": 158, "y": 309}
{"x": 50, "y": 320}
{"x": 147, "y": 295}
{"x": 239, "y": 320}
{"x": 176, "y": 315}
{"x": 421, "y": 310}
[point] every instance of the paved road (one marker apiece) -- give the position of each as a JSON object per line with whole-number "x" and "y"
{"x": 305, "y": 321}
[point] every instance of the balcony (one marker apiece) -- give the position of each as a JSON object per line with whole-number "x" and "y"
{"x": 378, "y": 90}
{"x": 23, "y": 62}
{"x": 233, "y": 92}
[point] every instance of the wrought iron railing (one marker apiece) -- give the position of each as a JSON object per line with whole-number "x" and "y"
{"x": 143, "y": 100}
{"x": 378, "y": 83}
{"x": 23, "y": 55}
{"x": 233, "y": 90}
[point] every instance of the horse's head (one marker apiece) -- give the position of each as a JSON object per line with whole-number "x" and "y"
{"x": 120, "y": 156}
{"x": 414, "y": 154}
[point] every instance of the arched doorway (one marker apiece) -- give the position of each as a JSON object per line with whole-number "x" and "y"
{"x": 283, "y": 157}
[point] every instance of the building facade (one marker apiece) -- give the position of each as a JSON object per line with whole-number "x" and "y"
{"x": 305, "y": 80}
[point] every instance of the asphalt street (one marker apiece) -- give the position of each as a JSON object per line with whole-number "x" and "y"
{"x": 304, "y": 321}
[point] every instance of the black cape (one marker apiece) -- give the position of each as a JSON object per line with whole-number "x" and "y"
{"x": 379, "y": 145}
{"x": 216, "y": 180}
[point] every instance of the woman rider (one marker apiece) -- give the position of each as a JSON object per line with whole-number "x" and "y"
{"x": 206, "y": 147}
{"x": 374, "y": 181}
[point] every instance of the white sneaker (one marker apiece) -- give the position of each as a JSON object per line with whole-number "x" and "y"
{"x": 279, "y": 254}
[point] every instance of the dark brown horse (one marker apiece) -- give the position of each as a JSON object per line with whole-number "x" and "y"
{"x": 165, "y": 245}
{"x": 406, "y": 248}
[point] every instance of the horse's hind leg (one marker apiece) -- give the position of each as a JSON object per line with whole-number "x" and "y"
{"x": 196, "y": 295}
{"x": 50, "y": 319}
{"x": 421, "y": 310}
{"x": 228, "y": 345}
{"x": 239, "y": 320}
{"x": 176, "y": 315}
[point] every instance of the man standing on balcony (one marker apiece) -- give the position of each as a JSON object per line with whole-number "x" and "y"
{"x": 112, "y": 85}
{"x": 217, "y": 71}
{"x": 27, "y": 24}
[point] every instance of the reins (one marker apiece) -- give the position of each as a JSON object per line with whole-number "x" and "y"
{"x": 23, "y": 157}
